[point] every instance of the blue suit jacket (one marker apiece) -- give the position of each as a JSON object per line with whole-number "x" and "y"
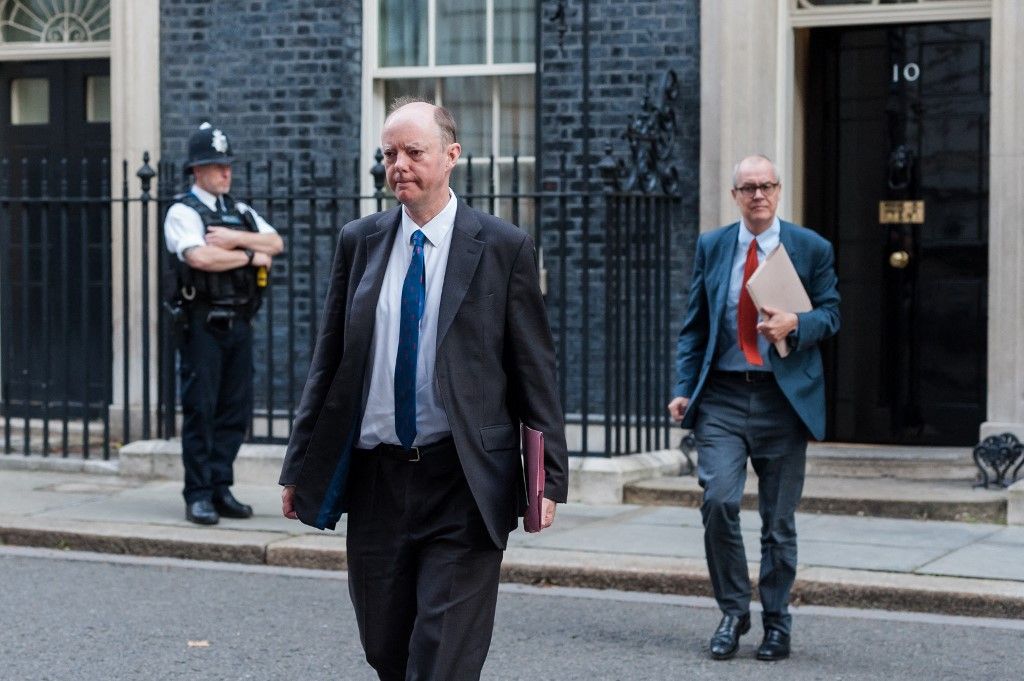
{"x": 800, "y": 374}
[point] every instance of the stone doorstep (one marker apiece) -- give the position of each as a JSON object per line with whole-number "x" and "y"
{"x": 1015, "y": 503}
{"x": 814, "y": 586}
{"x": 592, "y": 480}
{"x": 58, "y": 464}
{"x": 881, "y": 498}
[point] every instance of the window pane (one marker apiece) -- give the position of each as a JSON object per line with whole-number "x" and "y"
{"x": 517, "y": 122}
{"x": 30, "y": 101}
{"x": 55, "y": 22}
{"x": 513, "y": 31}
{"x": 424, "y": 88}
{"x": 461, "y": 32}
{"x": 469, "y": 99}
{"x": 403, "y": 33}
{"x": 97, "y": 99}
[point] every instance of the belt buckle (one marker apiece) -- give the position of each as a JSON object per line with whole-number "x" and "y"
{"x": 416, "y": 451}
{"x": 751, "y": 377}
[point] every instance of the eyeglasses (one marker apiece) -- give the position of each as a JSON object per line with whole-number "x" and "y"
{"x": 749, "y": 190}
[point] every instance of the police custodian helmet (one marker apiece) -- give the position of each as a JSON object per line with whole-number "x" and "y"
{"x": 208, "y": 145}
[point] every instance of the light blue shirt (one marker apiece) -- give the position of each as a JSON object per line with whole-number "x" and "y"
{"x": 730, "y": 357}
{"x": 379, "y": 414}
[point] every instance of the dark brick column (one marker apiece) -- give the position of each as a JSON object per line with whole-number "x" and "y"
{"x": 630, "y": 42}
{"x": 281, "y": 77}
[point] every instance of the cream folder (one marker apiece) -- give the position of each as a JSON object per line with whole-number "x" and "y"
{"x": 775, "y": 283}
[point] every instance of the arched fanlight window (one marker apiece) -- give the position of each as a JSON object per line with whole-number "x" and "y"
{"x": 54, "y": 21}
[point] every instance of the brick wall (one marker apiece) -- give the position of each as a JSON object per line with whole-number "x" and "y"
{"x": 282, "y": 78}
{"x": 631, "y": 45}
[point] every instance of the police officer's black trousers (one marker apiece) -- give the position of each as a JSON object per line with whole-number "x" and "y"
{"x": 216, "y": 401}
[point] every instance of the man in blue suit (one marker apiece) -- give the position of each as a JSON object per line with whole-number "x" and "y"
{"x": 743, "y": 399}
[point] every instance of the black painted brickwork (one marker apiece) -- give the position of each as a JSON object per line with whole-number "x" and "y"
{"x": 629, "y": 43}
{"x": 282, "y": 78}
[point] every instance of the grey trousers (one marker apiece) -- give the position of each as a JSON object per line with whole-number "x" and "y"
{"x": 736, "y": 420}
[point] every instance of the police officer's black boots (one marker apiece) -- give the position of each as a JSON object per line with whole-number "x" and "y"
{"x": 201, "y": 512}
{"x": 230, "y": 507}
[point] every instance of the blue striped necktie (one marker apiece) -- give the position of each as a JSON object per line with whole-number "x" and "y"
{"x": 413, "y": 296}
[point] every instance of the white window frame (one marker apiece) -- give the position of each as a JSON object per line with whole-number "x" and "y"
{"x": 374, "y": 107}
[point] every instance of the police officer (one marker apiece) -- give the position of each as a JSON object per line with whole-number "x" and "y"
{"x": 224, "y": 250}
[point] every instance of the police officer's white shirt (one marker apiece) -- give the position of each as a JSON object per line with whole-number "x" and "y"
{"x": 379, "y": 415}
{"x": 183, "y": 228}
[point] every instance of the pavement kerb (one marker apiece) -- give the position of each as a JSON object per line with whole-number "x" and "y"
{"x": 654, "y": 574}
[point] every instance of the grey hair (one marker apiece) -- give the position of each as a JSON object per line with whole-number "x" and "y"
{"x": 443, "y": 118}
{"x": 736, "y": 168}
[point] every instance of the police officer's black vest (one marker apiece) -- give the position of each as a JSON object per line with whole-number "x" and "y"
{"x": 232, "y": 288}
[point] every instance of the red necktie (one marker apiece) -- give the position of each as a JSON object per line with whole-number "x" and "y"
{"x": 746, "y": 314}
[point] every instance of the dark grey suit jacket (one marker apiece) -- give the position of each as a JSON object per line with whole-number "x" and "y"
{"x": 495, "y": 368}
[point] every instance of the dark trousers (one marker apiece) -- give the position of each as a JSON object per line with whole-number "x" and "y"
{"x": 423, "y": 572}
{"x": 736, "y": 420}
{"x": 216, "y": 402}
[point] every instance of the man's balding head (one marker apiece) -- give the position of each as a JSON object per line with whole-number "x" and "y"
{"x": 418, "y": 158}
{"x": 443, "y": 118}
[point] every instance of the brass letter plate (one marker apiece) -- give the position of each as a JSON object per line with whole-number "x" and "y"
{"x": 901, "y": 212}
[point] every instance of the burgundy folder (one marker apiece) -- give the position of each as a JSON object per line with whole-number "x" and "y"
{"x": 533, "y": 463}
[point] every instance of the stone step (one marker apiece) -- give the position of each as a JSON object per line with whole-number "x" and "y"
{"x": 873, "y": 497}
{"x": 833, "y": 459}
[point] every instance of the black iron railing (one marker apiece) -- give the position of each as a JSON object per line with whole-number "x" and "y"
{"x": 87, "y": 359}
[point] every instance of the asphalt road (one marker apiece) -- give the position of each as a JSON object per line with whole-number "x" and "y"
{"x": 72, "y": 616}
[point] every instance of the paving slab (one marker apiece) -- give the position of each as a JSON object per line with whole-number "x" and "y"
{"x": 865, "y": 556}
{"x": 982, "y": 559}
{"x": 950, "y": 567}
{"x": 892, "y": 532}
{"x": 36, "y": 492}
{"x": 626, "y": 539}
{"x": 1008, "y": 535}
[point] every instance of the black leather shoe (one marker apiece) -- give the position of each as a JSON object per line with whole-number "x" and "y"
{"x": 202, "y": 512}
{"x": 775, "y": 646}
{"x": 726, "y": 640}
{"x": 230, "y": 507}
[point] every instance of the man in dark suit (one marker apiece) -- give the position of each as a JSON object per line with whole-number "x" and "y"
{"x": 744, "y": 400}
{"x": 433, "y": 347}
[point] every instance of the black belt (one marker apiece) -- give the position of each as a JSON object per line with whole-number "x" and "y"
{"x": 413, "y": 453}
{"x": 744, "y": 376}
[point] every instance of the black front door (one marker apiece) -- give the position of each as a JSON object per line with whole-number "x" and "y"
{"x": 54, "y": 142}
{"x": 898, "y": 160}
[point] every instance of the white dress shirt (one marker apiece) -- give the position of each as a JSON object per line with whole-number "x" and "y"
{"x": 379, "y": 413}
{"x": 183, "y": 228}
